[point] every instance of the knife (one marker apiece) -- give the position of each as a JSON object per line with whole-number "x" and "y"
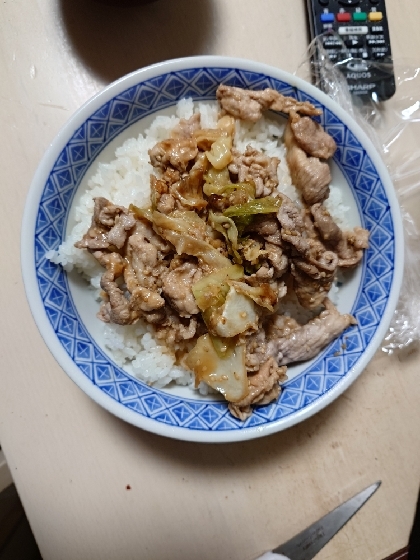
{"x": 309, "y": 542}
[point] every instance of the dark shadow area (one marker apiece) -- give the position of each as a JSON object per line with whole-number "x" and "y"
{"x": 16, "y": 539}
{"x": 115, "y": 40}
{"x": 414, "y": 544}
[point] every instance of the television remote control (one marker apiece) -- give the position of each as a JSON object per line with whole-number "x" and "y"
{"x": 359, "y": 32}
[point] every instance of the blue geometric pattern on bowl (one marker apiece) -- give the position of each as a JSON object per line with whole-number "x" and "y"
{"x": 106, "y": 123}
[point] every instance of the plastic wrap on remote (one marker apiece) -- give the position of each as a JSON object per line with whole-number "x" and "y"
{"x": 396, "y": 134}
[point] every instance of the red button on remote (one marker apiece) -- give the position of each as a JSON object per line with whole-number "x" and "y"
{"x": 343, "y": 17}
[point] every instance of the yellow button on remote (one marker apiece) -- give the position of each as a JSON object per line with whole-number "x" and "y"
{"x": 375, "y": 16}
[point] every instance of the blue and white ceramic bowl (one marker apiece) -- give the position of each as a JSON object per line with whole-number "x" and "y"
{"x": 67, "y": 320}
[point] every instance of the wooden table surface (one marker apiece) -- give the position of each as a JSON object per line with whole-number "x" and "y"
{"x": 71, "y": 460}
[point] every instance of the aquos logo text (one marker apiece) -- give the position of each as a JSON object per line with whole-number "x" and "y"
{"x": 358, "y": 75}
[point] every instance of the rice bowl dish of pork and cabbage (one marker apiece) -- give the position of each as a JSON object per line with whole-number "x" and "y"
{"x": 213, "y": 244}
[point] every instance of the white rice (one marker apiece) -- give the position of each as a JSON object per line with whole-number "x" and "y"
{"x": 126, "y": 180}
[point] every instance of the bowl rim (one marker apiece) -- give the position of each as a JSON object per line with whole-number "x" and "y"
{"x": 28, "y": 254}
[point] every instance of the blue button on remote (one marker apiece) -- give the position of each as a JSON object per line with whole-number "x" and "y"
{"x": 327, "y": 18}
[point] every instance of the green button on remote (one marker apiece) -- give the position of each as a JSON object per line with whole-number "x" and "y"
{"x": 359, "y": 16}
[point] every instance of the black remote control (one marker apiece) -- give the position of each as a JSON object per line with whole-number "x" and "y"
{"x": 359, "y": 41}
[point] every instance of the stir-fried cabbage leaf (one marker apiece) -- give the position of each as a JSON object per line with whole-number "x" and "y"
{"x": 227, "y": 187}
{"x": 220, "y": 154}
{"x": 263, "y": 294}
{"x": 178, "y": 231}
{"x": 142, "y": 213}
{"x": 226, "y": 312}
{"x": 188, "y": 190}
{"x": 211, "y": 290}
{"x": 237, "y": 315}
{"x": 227, "y": 227}
{"x": 223, "y": 346}
{"x": 227, "y": 375}
{"x": 266, "y": 205}
{"x": 217, "y": 177}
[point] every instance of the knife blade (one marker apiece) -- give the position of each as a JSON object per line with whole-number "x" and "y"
{"x": 309, "y": 542}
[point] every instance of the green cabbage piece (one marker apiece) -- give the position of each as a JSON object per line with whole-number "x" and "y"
{"x": 223, "y": 346}
{"x": 227, "y": 188}
{"x": 211, "y": 290}
{"x": 179, "y": 230}
{"x": 227, "y": 227}
{"x": 267, "y": 205}
{"x": 224, "y": 374}
{"x": 141, "y": 213}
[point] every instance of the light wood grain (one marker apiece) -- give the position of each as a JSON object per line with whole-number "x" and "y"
{"x": 71, "y": 460}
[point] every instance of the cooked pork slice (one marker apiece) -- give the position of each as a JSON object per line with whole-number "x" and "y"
{"x": 280, "y": 326}
{"x": 255, "y": 354}
{"x": 146, "y": 253}
{"x": 263, "y": 388}
{"x": 249, "y": 105}
{"x": 309, "y": 291}
{"x": 142, "y": 299}
{"x": 350, "y": 249}
{"x": 310, "y": 230}
{"x": 268, "y": 227}
{"x": 188, "y": 191}
{"x": 328, "y": 229}
{"x": 316, "y": 260}
{"x": 118, "y": 233}
{"x": 312, "y": 265}
{"x": 161, "y": 199}
{"x": 255, "y": 167}
{"x": 177, "y": 152}
{"x": 274, "y": 327}
{"x": 110, "y": 226}
{"x": 312, "y": 138}
{"x": 277, "y": 259}
{"x": 104, "y": 211}
{"x": 313, "y": 272}
{"x": 142, "y": 254}
{"x": 290, "y": 218}
{"x": 348, "y": 245}
{"x": 116, "y": 307}
{"x": 170, "y": 176}
{"x": 310, "y": 175}
{"x": 166, "y": 203}
{"x": 186, "y": 127}
{"x": 142, "y": 269}
{"x": 176, "y": 329}
{"x": 359, "y": 238}
{"x": 177, "y": 285}
{"x": 307, "y": 341}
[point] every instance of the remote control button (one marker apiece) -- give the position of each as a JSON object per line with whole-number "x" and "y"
{"x": 365, "y": 55}
{"x": 377, "y": 29}
{"x": 353, "y": 30}
{"x": 324, "y": 2}
{"x": 332, "y": 44}
{"x": 327, "y": 18}
{"x": 375, "y": 16}
{"x": 376, "y": 43}
{"x": 379, "y": 55}
{"x": 333, "y": 57}
{"x": 354, "y": 43}
{"x": 343, "y": 17}
{"x": 359, "y": 16}
{"x": 349, "y": 2}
